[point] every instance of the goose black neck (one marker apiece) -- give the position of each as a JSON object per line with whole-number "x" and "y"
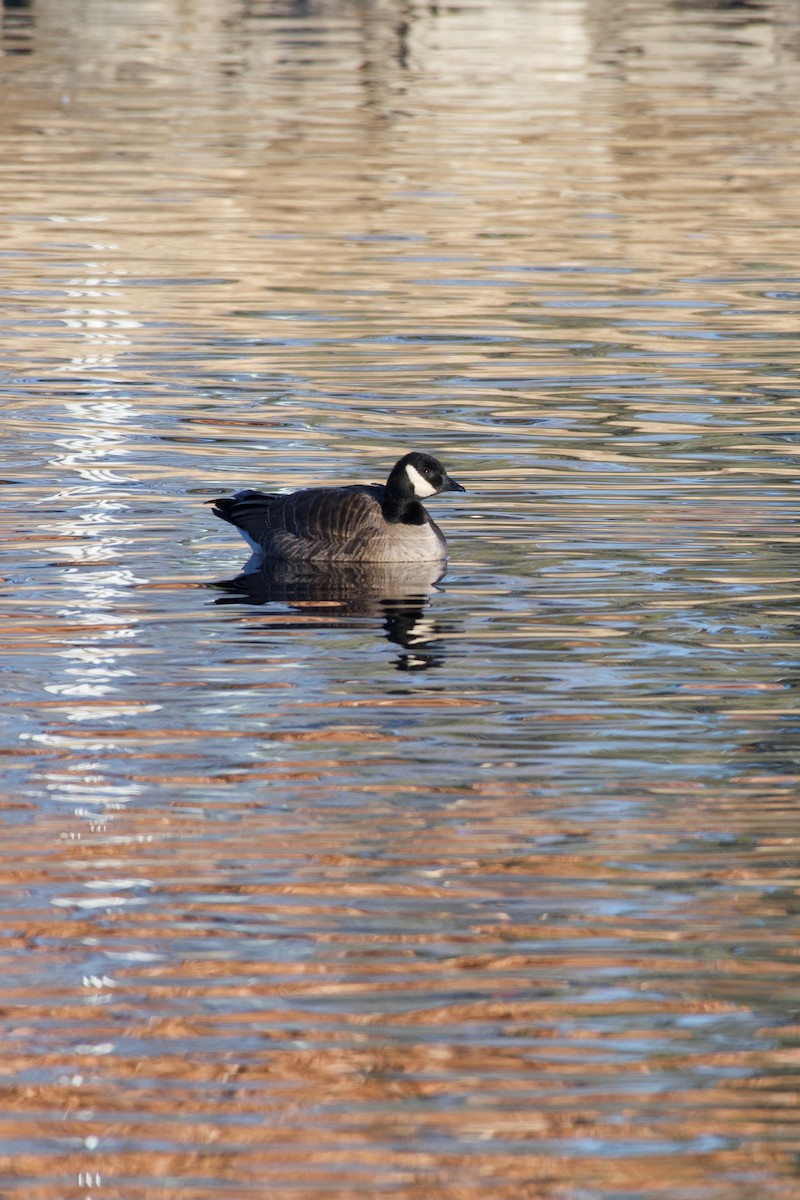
{"x": 400, "y": 508}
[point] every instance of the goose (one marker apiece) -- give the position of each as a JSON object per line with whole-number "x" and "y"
{"x": 360, "y": 523}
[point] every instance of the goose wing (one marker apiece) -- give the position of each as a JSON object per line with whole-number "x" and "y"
{"x": 313, "y": 520}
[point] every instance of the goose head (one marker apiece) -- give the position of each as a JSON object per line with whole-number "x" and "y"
{"x": 414, "y": 478}
{"x": 420, "y": 476}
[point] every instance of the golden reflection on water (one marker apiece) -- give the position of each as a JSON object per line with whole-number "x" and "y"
{"x": 476, "y": 886}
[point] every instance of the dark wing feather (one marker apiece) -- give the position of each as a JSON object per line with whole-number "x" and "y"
{"x": 248, "y": 511}
{"x": 331, "y": 515}
{"x": 312, "y": 521}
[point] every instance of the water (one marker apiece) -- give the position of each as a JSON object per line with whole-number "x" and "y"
{"x": 479, "y": 886}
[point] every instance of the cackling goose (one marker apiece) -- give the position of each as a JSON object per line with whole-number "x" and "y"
{"x": 360, "y": 523}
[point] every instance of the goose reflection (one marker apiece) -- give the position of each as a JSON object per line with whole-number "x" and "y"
{"x": 397, "y": 593}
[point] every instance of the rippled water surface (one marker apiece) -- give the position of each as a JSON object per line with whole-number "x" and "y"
{"x": 355, "y": 885}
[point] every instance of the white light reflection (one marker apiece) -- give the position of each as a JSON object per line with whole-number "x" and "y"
{"x": 113, "y": 796}
{"x": 95, "y": 672}
{"x": 92, "y": 534}
{"x": 101, "y": 433}
{"x": 92, "y": 541}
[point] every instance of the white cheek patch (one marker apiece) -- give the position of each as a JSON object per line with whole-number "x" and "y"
{"x": 419, "y": 483}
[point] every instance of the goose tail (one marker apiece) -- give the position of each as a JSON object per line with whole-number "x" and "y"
{"x": 248, "y": 512}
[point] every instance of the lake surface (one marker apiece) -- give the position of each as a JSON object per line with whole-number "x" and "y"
{"x": 358, "y": 886}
